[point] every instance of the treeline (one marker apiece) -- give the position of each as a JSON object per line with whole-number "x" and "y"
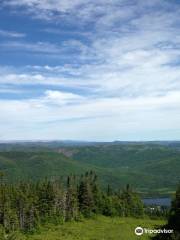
{"x": 24, "y": 206}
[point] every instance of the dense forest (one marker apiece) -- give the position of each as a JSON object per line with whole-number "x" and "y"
{"x": 37, "y": 186}
{"x": 151, "y": 168}
{"x": 25, "y": 206}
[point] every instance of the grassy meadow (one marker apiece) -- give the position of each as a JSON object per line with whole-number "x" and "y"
{"x": 100, "y": 228}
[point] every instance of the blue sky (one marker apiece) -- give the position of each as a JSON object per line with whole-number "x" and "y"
{"x": 89, "y": 70}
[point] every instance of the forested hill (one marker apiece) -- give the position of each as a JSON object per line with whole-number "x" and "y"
{"x": 149, "y": 167}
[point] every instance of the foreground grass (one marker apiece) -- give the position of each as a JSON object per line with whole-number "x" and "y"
{"x": 101, "y": 228}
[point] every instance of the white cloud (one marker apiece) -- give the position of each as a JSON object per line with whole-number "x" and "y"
{"x": 9, "y": 90}
{"x": 38, "y": 47}
{"x": 11, "y": 34}
{"x": 64, "y": 5}
{"x": 87, "y": 119}
{"x": 128, "y": 70}
{"x": 47, "y": 4}
{"x": 61, "y": 98}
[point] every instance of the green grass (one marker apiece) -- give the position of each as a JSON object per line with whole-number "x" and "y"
{"x": 101, "y": 228}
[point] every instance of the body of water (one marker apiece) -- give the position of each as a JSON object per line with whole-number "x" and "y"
{"x": 157, "y": 201}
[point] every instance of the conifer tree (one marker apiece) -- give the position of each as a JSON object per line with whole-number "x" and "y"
{"x": 25, "y": 205}
{"x": 71, "y": 199}
{"x": 173, "y": 220}
{"x": 86, "y": 201}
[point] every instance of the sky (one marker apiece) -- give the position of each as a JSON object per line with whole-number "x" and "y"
{"x": 94, "y": 70}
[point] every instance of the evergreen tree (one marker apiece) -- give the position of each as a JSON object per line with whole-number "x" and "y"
{"x": 96, "y": 192}
{"x": 132, "y": 203}
{"x": 85, "y": 196}
{"x": 173, "y": 220}
{"x": 71, "y": 199}
{"x": 23, "y": 206}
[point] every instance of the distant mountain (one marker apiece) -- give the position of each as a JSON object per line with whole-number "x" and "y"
{"x": 148, "y": 166}
{"x": 151, "y": 167}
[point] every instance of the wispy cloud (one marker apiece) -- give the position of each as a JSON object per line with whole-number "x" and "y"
{"x": 62, "y": 98}
{"x": 88, "y": 120}
{"x": 11, "y": 34}
{"x": 38, "y": 47}
{"x": 120, "y": 62}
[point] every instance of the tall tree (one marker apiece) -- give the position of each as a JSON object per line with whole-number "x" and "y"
{"x": 71, "y": 199}
{"x": 173, "y": 220}
{"x": 85, "y": 195}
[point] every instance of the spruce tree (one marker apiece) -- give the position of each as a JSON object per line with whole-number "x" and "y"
{"x": 71, "y": 199}
{"x": 173, "y": 220}
{"x": 85, "y": 195}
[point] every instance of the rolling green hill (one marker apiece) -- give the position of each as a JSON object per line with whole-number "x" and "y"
{"x": 37, "y": 165}
{"x": 150, "y": 168}
{"x": 147, "y": 166}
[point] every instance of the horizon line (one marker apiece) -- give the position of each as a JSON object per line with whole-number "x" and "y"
{"x": 85, "y": 141}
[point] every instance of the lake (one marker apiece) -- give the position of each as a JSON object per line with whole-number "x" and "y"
{"x": 157, "y": 201}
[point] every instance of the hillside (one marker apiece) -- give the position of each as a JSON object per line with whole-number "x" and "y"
{"x": 150, "y": 168}
{"x": 144, "y": 165}
{"x": 100, "y": 228}
{"x": 37, "y": 165}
